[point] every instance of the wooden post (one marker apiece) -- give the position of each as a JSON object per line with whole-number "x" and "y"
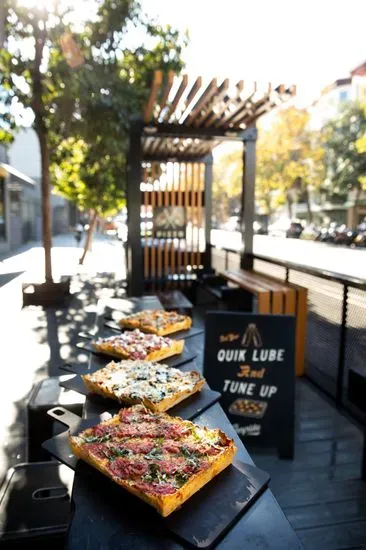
{"x": 248, "y": 199}
{"x": 134, "y": 248}
{"x": 208, "y": 160}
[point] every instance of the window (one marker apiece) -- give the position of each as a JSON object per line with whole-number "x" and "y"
{"x": 343, "y": 96}
{"x": 2, "y": 210}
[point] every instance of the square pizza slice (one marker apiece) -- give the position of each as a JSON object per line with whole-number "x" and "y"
{"x": 135, "y": 344}
{"x": 160, "y": 459}
{"x": 157, "y": 321}
{"x": 157, "y": 386}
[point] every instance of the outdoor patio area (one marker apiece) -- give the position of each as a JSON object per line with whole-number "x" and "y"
{"x": 320, "y": 491}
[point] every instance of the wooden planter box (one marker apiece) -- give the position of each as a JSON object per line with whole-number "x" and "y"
{"x": 46, "y": 294}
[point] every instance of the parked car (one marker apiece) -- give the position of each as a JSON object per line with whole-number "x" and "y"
{"x": 279, "y": 228}
{"x": 360, "y": 239}
{"x": 327, "y": 233}
{"x": 294, "y": 231}
{"x": 310, "y": 233}
{"x": 344, "y": 235}
{"x": 260, "y": 228}
{"x": 233, "y": 224}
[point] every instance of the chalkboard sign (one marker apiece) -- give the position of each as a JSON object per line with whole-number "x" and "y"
{"x": 250, "y": 359}
{"x": 170, "y": 222}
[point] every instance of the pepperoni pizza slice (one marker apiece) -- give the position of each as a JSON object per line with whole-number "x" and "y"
{"x": 135, "y": 344}
{"x": 157, "y": 321}
{"x": 160, "y": 459}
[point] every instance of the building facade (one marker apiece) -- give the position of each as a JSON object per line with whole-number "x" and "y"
{"x": 20, "y": 195}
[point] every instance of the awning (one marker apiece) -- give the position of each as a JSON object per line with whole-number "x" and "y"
{"x": 6, "y": 169}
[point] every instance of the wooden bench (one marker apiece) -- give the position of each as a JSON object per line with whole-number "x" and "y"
{"x": 276, "y": 297}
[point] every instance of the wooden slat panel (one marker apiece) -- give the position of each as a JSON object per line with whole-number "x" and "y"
{"x": 153, "y": 248}
{"x": 186, "y": 194}
{"x": 166, "y": 245}
{"x": 158, "y": 78}
{"x": 277, "y": 299}
{"x": 160, "y": 249}
{"x": 193, "y": 210}
{"x": 290, "y": 302}
{"x": 146, "y": 248}
{"x": 172, "y": 202}
{"x": 180, "y": 203}
{"x": 201, "y": 168}
{"x": 264, "y": 302}
{"x": 301, "y": 316}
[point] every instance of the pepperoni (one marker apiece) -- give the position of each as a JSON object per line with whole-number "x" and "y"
{"x": 171, "y": 447}
{"x": 156, "y": 488}
{"x": 142, "y": 447}
{"x": 144, "y": 429}
{"x": 172, "y": 466}
{"x": 125, "y": 469}
{"x": 97, "y": 450}
{"x": 175, "y": 431}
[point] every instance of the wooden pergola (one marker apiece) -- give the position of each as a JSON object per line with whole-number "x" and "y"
{"x": 170, "y": 165}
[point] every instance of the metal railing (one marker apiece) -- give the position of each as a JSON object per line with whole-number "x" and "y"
{"x": 336, "y": 324}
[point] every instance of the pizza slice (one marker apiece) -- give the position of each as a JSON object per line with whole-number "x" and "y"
{"x": 138, "y": 345}
{"x": 157, "y": 321}
{"x": 157, "y": 386}
{"x": 160, "y": 459}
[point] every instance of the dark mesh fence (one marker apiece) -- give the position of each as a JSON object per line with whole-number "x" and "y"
{"x": 324, "y": 357}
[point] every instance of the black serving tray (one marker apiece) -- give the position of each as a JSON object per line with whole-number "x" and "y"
{"x": 200, "y": 523}
{"x": 187, "y": 409}
{"x": 103, "y": 359}
{"x": 193, "y": 331}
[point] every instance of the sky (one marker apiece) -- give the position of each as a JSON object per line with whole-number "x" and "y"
{"x": 309, "y": 44}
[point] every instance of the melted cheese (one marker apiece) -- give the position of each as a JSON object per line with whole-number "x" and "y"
{"x": 144, "y": 379}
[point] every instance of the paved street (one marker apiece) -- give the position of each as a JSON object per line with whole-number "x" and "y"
{"x": 339, "y": 259}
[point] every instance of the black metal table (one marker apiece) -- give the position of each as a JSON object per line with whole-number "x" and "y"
{"x": 95, "y": 527}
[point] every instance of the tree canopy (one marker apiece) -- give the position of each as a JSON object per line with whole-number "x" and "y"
{"x": 82, "y": 81}
{"x": 345, "y": 143}
{"x": 290, "y": 158}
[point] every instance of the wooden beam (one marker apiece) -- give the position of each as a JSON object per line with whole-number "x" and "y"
{"x": 242, "y": 106}
{"x": 158, "y": 78}
{"x": 168, "y": 87}
{"x": 191, "y": 94}
{"x": 221, "y": 93}
{"x": 215, "y": 115}
{"x": 202, "y": 101}
{"x": 178, "y": 95}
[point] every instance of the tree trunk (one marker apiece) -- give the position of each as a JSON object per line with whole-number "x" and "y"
{"x": 89, "y": 236}
{"x": 46, "y": 205}
{"x": 308, "y": 206}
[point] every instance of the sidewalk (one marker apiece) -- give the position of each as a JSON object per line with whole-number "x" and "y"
{"x": 35, "y": 341}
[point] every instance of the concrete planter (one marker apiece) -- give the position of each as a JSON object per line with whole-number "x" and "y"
{"x": 46, "y": 294}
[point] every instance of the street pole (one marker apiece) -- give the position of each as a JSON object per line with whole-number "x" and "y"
{"x": 248, "y": 200}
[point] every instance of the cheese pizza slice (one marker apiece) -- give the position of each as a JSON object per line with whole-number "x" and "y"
{"x": 135, "y": 344}
{"x": 157, "y": 321}
{"x": 161, "y": 459}
{"x": 157, "y": 386}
